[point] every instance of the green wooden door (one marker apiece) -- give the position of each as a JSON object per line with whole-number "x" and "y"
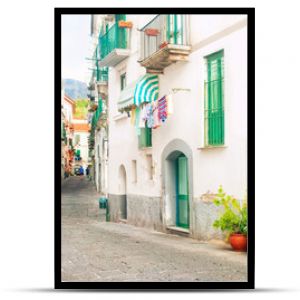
{"x": 121, "y": 41}
{"x": 175, "y": 29}
{"x": 182, "y": 211}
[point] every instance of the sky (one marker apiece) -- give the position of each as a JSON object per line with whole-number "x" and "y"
{"x": 75, "y": 46}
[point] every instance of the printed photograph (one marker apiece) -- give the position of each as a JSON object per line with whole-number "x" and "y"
{"x": 154, "y": 148}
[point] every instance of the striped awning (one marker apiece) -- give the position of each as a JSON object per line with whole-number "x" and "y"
{"x": 146, "y": 89}
{"x": 126, "y": 97}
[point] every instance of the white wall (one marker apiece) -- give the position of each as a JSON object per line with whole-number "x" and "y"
{"x": 226, "y": 166}
{"x": 68, "y": 110}
{"x": 101, "y": 158}
{"x": 83, "y": 146}
{"x": 204, "y": 26}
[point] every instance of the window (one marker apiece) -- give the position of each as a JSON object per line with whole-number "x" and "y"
{"x": 134, "y": 171}
{"x": 149, "y": 166}
{"x": 214, "y": 100}
{"x": 145, "y": 138}
{"x": 123, "y": 81}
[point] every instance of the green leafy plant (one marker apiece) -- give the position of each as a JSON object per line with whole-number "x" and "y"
{"x": 81, "y": 108}
{"x": 234, "y": 217}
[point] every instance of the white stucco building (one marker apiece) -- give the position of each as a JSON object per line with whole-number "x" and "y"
{"x": 98, "y": 86}
{"x": 165, "y": 178}
{"x": 67, "y": 111}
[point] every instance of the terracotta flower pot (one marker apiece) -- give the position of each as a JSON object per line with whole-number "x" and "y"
{"x": 125, "y": 24}
{"x": 151, "y": 31}
{"x": 238, "y": 241}
{"x": 162, "y": 45}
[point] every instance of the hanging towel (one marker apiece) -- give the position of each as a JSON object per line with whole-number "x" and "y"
{"x": 137, "y": 121}
{"x": 170, "y": 105}
{"x": 162, "y": 109}
{"x": 148, "y": 111}
{"x": 156, "y": 122}
{"x": 150, "y": 119}
{"x": 132, "y": 119}
{"x": 144, "y": 112}
{"x": 142, "y": 118}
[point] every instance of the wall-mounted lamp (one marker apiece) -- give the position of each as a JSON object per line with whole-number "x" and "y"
{"x": 176, "y": 90}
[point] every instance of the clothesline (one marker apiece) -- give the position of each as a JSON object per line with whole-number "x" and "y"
{"x": 152, "y": 114}
{"x": 158, "y": 100}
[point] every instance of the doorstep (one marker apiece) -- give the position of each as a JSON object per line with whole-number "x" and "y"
{"x": 178, "y": 230}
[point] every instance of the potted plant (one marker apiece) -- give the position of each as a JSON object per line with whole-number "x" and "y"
{"x": 233, "y": 219}
{"x": 163, "y": 44}
{"x": 151, "y": 31}
{"x": 125, "y": 24}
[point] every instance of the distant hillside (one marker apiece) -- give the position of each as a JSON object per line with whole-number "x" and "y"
{"x": 75, "y": 89}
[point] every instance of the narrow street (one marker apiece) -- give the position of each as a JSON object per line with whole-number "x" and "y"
{"x": 96, "y": 250}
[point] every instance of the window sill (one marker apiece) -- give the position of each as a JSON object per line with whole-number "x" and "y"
{"x": 212, "y": 147}
{"x": 146, "y": 149}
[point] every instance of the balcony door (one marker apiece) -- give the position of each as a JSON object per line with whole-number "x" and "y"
{"x": 121, "y": 42}
{"x": 175, "y": 29}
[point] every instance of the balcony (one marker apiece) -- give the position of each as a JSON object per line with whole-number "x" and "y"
{"x": 102, "y": 79}
{"x": 164, "y": 40}
{"x": 102, "y": 74}
{"x": 114, "y": 46}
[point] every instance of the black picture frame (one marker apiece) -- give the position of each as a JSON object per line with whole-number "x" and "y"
{"x": 157, "y": 286}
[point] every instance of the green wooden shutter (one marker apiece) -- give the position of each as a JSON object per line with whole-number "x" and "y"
{"x": 214, "y": 110}
{"x": 148, "y": 137}
{"x": 182, "y": 193}
{"x": 145, "y": 138}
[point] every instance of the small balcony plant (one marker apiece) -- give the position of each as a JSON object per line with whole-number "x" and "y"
{"x": 233, "y": 219}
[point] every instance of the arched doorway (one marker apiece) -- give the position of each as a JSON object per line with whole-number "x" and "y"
{"x": 177, "y": 179}
{"x": 123, "y": 192}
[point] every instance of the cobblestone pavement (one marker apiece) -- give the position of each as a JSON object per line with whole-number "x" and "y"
{"x": 95, "y": 250}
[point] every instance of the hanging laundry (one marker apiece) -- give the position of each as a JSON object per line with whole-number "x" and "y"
{"x": 156, "y": 122}
{"x": 149, "y": 112}
{"x": 132, "y": 119}
{"x": 170, "y": 105}
{"x": 162, "y": 109}
{"x": 137, "y": 121}
{"x": 142, "y": 118}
